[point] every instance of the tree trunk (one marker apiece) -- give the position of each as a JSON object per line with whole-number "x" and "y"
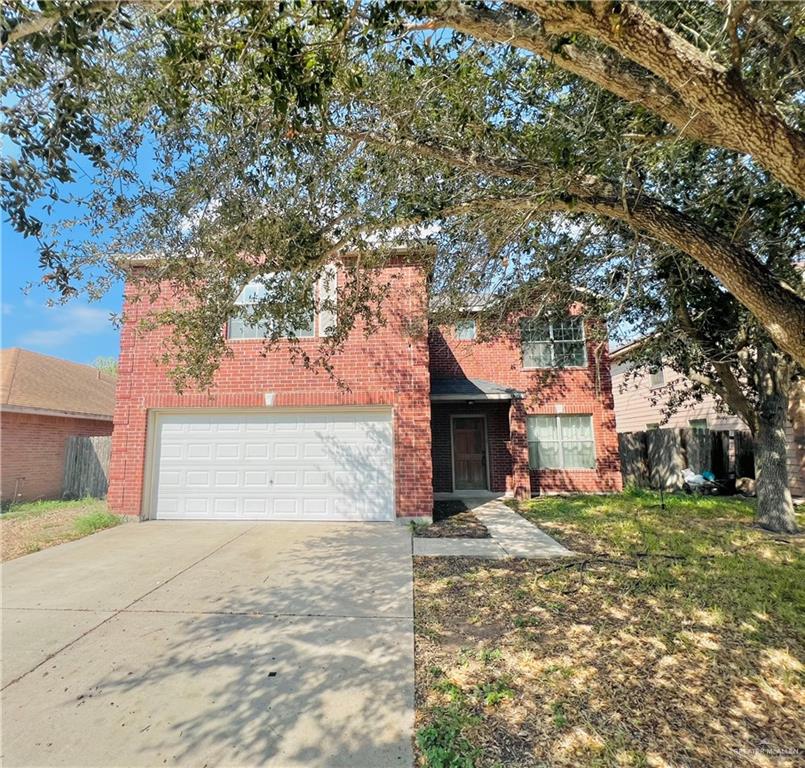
{"x": 775, "y": 508}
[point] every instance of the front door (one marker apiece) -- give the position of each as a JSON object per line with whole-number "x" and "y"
{"x": 469, "y": 453}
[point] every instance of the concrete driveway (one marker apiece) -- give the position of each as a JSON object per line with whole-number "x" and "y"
{"x": 204, "y": 644}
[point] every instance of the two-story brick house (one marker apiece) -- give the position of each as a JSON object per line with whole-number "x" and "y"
{"x": 423, "y": 413}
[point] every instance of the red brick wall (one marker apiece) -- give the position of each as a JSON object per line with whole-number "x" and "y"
{"x": 388, "y": 368}
{"x": 579, "y": 390}
{"x": 32, "y": 451}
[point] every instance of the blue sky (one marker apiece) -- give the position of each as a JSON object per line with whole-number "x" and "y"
{"x": 79, "y": 330}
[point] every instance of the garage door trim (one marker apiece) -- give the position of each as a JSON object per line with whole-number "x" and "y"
{"x": 150, "y": 474}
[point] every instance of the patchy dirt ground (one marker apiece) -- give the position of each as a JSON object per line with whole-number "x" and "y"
{"x": 28, "y": 528}
{"x": 452, "y": 520}
{"x": 675, "y": 640}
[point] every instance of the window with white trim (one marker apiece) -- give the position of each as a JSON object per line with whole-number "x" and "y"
{"x": 698, "y": 425}
{"x": 563, "y": 441}
{"x": 554, "y": 343}
{"x": 465, "y": 329}
{"x": 657, "y": 378}
{"x": 255, "y": 291}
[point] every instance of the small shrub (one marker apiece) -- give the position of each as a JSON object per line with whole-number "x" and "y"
{"x": 442, "y": 742}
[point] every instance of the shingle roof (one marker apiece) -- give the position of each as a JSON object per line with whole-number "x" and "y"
{"x": 471, "y": 389}
{"x": 32, "y": 381}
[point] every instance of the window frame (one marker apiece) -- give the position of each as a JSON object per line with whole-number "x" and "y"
{"x": 656, "y": 379}
{"x": 696, "y": 425}
{"x": 298, "y": 337}
{"x": 456, "y": 333}
{"x": 560, "y": 442}
{"x": 552, "y": 342}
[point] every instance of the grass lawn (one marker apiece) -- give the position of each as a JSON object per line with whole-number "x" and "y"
{"x": 673, "y": 638}
{"x": 26, "y": 528}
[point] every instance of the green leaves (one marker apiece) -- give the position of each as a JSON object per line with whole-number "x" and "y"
{"x": 265, "y": 108}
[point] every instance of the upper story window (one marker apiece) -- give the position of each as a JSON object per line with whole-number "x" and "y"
{"x": 698, "y": 425}
{"x": 255, "y": 291}
{"x": 466, "y": 329}
{"x": 657, "y": 378}
{"x": 553, "y": 344}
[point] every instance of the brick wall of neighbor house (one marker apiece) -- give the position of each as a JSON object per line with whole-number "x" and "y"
{"x": 388, "y": 368}
{"x": 32, "y": 452}
{"x": 577, "y": 390}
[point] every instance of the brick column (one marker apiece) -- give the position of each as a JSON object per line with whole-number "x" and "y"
{"x": 520, "y": 481}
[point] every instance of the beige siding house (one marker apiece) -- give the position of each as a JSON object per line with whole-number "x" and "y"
{"x": 635, "y": 410}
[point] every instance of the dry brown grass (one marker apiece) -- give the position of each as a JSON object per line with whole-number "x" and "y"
{"x": 27, "y": 528}
{"x": 626, "y": 660}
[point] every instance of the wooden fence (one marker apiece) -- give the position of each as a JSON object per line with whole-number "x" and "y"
{"x": 86, "y": 467}
{"x": 656, "y": 458}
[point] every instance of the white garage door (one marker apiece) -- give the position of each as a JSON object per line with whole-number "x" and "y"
{"x": 311, "y": 465}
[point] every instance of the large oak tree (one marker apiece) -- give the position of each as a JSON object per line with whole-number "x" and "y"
{"x": 540, "y": 145}
{"x": 97, "y": 79}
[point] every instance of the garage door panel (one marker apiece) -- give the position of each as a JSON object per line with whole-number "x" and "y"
{"x": 255, "y": 478}
{"x": 198, "y": 451}
{"x": 327, "y": 465}
{"x": 285, "y": 451}
{"x": 224, "y": 451}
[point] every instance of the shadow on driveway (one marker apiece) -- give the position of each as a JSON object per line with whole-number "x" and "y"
{"x": 290, "y": 645}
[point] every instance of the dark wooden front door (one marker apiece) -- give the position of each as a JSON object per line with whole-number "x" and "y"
{"x": 469, "y": 453}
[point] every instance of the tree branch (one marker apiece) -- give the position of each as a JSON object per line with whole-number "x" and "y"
{"x": 44, "y": 22}
{"x": 728, "y": 388}
{"x": 779, "y": 309}
{"x": 604, "y": 71}
{"x": 704, "y": 85}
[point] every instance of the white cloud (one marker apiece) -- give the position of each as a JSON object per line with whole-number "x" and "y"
{"x": 69, "y": 322}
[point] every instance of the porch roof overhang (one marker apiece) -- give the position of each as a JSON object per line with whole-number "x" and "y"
{"x": 461, "y": 389}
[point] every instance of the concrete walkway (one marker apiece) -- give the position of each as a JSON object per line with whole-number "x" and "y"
{"x": 211, "y": 644}
{"x": 510, "y": 536}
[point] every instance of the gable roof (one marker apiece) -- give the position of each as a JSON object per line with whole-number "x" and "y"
{"x": 33, "y": 382}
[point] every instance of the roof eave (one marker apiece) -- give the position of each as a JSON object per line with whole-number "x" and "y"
{"x": 479, "y": 396}
{"x": 11, "y": 408}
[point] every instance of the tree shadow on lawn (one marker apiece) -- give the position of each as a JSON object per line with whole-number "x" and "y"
{"x": 613, "y": 664}
{"x": 676, "y": 637}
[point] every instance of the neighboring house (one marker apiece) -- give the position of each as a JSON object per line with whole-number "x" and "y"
{"x": 639, "y": 403}
{"x": 273, "y": 440}
{"x": 43, "y": 401}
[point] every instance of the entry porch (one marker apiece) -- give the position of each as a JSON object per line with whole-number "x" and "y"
{"x": 479, "y": 439}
